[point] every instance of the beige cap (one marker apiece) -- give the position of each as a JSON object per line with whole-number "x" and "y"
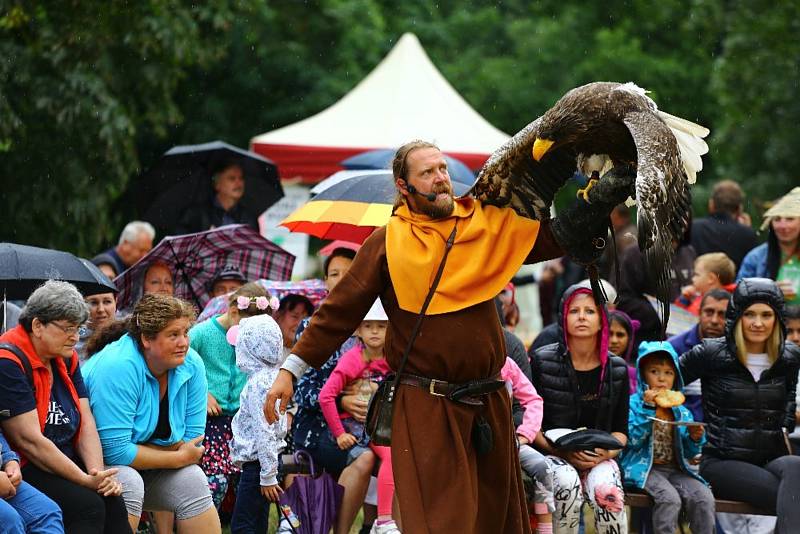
{"x": 787, "y": 206}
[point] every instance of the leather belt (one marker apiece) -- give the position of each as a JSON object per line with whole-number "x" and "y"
{"x": 465, "y": 393}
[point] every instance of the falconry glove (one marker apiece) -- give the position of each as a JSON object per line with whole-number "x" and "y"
{"x": 581, "y": 231}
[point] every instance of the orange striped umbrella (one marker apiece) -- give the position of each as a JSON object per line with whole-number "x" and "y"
{"x": 349, "y": 210}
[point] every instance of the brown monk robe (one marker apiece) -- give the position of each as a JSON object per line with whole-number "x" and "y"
{"x": 441, "y": 484}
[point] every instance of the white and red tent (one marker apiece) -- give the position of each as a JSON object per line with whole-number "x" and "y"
{"x": 404, "y": 98}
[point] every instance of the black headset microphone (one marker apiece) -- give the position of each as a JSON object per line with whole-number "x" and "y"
{"x": 430, "y": 197}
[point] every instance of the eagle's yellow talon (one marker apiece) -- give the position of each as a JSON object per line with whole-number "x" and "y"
{"x": 584, "y": 193}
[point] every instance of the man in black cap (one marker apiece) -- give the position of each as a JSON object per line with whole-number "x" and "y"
{"x": 228, "y": 279}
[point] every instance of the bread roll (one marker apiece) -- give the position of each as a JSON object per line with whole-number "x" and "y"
{"x": 669, "y": 398}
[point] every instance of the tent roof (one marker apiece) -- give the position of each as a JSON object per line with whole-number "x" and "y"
{"x": 404, "y": 98}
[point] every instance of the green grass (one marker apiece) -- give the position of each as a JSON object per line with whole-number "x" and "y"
{"x": 273, "y": 522}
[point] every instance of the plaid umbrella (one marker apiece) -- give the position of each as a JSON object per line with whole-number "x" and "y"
{"x": 194, "y": 259}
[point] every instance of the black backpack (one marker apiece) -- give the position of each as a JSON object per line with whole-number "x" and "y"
{"x": 26, "y": 364}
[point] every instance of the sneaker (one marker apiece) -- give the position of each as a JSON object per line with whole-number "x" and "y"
{"x": 386, "y": 528}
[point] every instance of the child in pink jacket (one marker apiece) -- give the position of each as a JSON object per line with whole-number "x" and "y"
{"x": 365, "y": 365}
{"x": 532, "y": 461}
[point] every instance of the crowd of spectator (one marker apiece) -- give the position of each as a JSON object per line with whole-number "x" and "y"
{"x": 110, "y": 416}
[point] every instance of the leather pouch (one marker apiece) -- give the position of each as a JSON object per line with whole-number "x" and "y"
{"x": 482, "y": 436}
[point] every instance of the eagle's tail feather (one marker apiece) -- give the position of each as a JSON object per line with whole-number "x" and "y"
{"x": 691, "y": 149}
{"x": 677, "y": 123}
{"x": 689, "y": 136}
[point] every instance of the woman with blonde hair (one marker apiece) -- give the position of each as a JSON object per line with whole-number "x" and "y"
{"x": 749, "y": 379}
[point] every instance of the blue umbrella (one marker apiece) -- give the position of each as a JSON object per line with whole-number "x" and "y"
{"x": 382, "y": 159}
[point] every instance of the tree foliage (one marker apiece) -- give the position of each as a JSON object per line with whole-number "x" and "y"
{"x": 79, "y": 83}
{"x": 755, "y": 82}
{"x": 92, "y": 92}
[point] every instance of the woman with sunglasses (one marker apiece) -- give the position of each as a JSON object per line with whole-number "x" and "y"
{"x": 45, "y": 412}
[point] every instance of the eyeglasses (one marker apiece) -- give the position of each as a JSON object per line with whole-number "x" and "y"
{"x": 69, "y": 330}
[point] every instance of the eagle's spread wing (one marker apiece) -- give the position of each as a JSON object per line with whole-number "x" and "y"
{"x": 594, "y": 127}
{"x": 512, "y": 177}
{"x": 663, "y": 196}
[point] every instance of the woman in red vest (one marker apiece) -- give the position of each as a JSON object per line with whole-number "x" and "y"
{"x": 45, "y": 414}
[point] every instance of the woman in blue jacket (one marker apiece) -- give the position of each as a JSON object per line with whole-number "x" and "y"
{"x": 148, "y": 392}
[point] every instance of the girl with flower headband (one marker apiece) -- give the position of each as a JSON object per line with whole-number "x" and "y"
{"x": 211, "y": 339}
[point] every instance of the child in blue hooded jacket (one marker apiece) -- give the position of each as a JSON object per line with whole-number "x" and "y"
{"x": 657, "y": 454}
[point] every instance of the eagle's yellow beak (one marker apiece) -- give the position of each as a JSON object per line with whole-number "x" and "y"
{"x": 540, "y": 148}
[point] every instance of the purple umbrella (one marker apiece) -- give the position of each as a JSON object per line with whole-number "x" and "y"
{"x": 314, "y": 500}
{"x": 194, "y": 259}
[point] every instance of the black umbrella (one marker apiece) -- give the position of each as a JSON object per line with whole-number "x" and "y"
{"x": 100, "y": 278}
{"x": 182, "y": 178}
{"x": 24, "y": 268}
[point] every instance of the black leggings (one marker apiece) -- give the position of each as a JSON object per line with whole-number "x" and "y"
{"x": 85, "y": 511}
{"x": 774, "y": 487}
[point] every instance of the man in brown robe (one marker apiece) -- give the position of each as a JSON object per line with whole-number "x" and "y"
{"x": 442, "y": 484}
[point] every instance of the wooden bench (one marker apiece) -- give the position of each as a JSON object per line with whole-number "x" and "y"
{"x": 639, "y": 499}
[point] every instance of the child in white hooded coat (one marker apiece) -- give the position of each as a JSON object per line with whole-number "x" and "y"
{"x": 256, "y": 443}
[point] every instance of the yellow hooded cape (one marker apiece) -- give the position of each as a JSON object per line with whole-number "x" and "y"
{"x": 491, "y": 244}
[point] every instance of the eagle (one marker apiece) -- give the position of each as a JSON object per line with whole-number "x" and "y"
{"x": 593, "y": 129}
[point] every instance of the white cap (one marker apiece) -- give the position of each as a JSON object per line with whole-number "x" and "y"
{"x": 611, "y": 293}
{"x": 376, "y": 312}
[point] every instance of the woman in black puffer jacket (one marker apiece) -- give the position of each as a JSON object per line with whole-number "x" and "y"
{"x": 748, "y": 386}
{"x": 583, "y": 385}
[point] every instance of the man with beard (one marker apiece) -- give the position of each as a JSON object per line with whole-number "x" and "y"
{"x": 443, "y": 484}
{"x": 711, "y": 324}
